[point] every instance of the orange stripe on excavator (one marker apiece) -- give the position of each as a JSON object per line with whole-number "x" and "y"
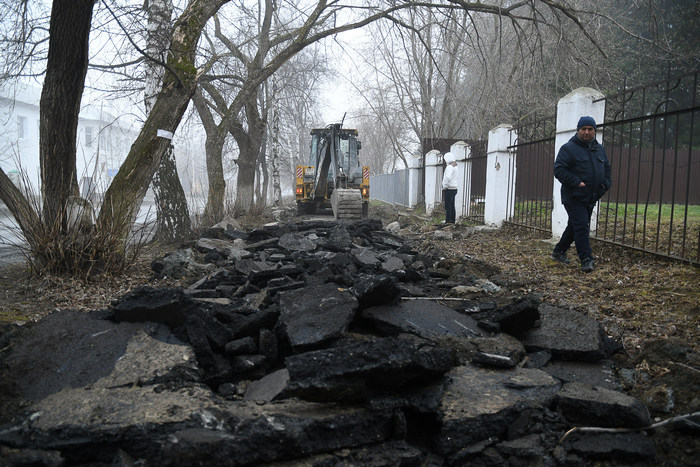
{"x": 364, "y": 188}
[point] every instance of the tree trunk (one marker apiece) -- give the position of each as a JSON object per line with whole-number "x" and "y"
{"x": 249, "y": 143}
{"x": 157, "y": 43}
{"x": 60, "y": 105}
{"x": 276, "y": 184}
{"x": 172, "y": 213}
{"x": 214, "y": 209}
{"x": 173, "y": 216}
{"x": 214, "y": 147}
{"x": 125, "y": 194}
{"x": 263, "y": 177}
{"x": 21, "y": 209}
{"x": 245, "y": 188}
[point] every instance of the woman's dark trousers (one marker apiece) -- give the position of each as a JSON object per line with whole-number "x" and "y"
{"x": 449, "y": 197}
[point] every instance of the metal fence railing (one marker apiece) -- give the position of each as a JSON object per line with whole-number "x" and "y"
{"x": 652, "y": 138}
{"x": 473, "y": 198}
{"x": 531, "y": 200}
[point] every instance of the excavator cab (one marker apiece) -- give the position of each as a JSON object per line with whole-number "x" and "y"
{"x": 333, "y": 177}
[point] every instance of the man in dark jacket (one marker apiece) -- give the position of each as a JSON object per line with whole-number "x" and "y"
{"x": 583, "y": 169}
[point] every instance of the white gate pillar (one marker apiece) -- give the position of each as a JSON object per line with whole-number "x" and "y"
{"x": 415, "y": 173}
{"x": 570, "y": 108}
{"x": 433, "y": 180}
{"x": 462, "y": 152}
{"x": 499, "y": 158}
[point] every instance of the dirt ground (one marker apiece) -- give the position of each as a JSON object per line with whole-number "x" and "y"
{"x": 649, "y": 304}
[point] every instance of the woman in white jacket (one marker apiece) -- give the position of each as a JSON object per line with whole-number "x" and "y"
{"x": 449, "y": 187}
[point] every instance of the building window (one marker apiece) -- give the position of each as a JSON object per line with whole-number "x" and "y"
{"x": 21, "y": 126}
{"x": 88, "y": 136}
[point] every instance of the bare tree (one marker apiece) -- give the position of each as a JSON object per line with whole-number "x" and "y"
{"x": 294, "y": 99}
{"x": 386, "y": 139}
{"x": 24, "y": 38}
{"x": 455, "y": 73}
{"x": 128, "y": 188}
{"x": 275, "y": 139}
{"x": 256, "y": 59}
{"x": 412, "y": 63}
{"x": 66, "y": 67}
{"x": 214, "y": 144}
{"x": 647, "y": 40}
{"x": 172, "y": 214}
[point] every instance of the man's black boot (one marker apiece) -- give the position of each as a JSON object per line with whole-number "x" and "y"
{"x": 559, "y": 256}
{"x": 587, "y": 265}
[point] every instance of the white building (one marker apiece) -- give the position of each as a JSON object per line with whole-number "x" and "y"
{"x": 103, "y": 141}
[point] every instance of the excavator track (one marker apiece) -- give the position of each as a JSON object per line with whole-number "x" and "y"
{"x": 346, "y": 203}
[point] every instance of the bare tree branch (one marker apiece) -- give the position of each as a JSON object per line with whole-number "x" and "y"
{"x": 140, "y": 50}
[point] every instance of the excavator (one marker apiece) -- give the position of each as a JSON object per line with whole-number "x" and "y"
{"x": 333, "y": 177}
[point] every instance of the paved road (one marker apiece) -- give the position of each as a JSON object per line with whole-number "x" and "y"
{"x": 10, "y": 241}
{"x": 10, "y": 255}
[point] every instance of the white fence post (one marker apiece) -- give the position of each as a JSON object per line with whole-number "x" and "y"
{"x": 496, "y": 207}
{"x": 570, "y": 108}
{"x": 462, "y": 151}
{"x": 433, "y": 180}
{"x": 414, "y": 179}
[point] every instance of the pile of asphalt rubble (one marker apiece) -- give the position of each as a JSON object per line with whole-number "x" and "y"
{"x": 317, "y": 343}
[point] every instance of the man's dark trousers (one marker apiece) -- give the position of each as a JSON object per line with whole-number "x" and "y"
{"x": 577, "y": 230}
{"x": 449, "y": 197}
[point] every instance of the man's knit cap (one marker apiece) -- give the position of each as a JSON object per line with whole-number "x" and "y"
{"x": 585, "y": 121}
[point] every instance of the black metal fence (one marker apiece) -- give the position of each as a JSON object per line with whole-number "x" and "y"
{"x": 472, "y": 201}
{"x": 652, "y": 137}
{"x": 531, "y": 201}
